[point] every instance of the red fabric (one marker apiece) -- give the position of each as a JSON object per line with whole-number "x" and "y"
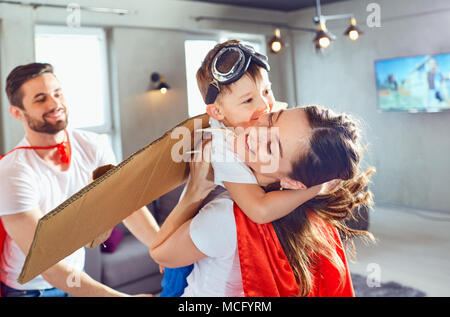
{"x": 265, "y": 268}
{"x": 2, "y": 240}
{"x": 2, "y": 237}
{"x": 326, "y": 277}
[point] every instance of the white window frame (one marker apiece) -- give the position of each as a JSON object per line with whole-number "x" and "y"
{"x": 108, "y": 127}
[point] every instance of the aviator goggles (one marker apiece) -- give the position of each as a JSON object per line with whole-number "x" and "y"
{"x": 239, "y": 57}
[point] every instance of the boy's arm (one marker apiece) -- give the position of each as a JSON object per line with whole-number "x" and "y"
{"x": 262, "y": 207}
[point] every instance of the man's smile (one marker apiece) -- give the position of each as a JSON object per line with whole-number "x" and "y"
{"x": 55, "y": 114}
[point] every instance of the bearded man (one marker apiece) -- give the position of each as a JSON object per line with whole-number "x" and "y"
{"x": 50, "y": 164}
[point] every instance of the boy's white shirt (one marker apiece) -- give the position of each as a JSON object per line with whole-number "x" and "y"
{"x": 227, "y": 165}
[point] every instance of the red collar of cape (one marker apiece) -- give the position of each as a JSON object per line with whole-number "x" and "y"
{"x": 265, "y": 268}
{"x": 64, "y": 149}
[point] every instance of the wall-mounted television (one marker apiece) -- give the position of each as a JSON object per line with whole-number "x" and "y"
{"x": 415, "y": 83}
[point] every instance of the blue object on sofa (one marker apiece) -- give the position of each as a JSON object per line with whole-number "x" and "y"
{"x": 174, "y": 281}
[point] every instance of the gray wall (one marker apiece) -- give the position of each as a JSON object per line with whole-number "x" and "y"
{"x": 410, "y": 151}
{"x": 146, "y": 115}
{"x": 16, "y": 48}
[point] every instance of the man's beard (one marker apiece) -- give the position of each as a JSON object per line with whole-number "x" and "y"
{"x": 43, "y": 126}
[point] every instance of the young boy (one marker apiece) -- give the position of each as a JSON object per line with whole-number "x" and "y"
{"x": 233, "y": 80}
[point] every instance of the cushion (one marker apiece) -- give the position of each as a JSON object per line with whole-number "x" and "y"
{"x": 111, "y": 244}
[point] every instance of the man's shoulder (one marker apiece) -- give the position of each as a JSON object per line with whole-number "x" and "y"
{"x": 88, "y": 140}
{"x": 83, "y": 135}
{"x": 16, "y": 167}
{"x": 16, "y": 160}
{"x": 94, "y": 147}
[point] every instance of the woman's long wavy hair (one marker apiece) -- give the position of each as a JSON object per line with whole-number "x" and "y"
{"x": 334, "y": 153}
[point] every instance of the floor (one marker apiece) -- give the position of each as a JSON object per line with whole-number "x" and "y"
{"x": 413, "y": 249}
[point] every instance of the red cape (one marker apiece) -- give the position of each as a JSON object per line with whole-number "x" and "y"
{"x": 2, "y": 241}
{"x": 265, "y": 268}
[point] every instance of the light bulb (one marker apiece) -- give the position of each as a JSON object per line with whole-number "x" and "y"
{"x": 276, "y": 46}
{"x": 352, "y": 31}
{"x": 163, "y": 90}
{"x": 353, "y": 35}
{"x": 324, "y": 42}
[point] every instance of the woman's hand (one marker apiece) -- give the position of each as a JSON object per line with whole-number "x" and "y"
{"x": 201, "y": 177}
{"x": 172, "y": 246}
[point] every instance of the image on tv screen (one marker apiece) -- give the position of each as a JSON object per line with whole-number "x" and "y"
{"x": 416, "y": 83}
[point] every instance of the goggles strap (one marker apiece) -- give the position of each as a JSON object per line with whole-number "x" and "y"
{"x": 213, "y": 91}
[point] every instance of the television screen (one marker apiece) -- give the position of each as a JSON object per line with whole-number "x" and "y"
{"x": 416, "y": 83}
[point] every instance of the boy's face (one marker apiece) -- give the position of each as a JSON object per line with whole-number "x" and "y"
{"x": 247, "y": 100}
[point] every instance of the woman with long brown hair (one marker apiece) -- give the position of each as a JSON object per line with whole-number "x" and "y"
{"x": 334, "y": 152}
{"x": 300, "y": 254}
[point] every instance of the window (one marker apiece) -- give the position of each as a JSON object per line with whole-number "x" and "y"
{"x": 195, "y": 52}
{"x": 79, "y": 58}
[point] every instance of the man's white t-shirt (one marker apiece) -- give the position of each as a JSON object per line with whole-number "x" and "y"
{"x": 213, "y": 231}
{"x": 27, "y": 183}
{"x": 227, "y": 165}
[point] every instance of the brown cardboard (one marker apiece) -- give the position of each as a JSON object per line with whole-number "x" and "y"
{"x": 97, "y": 208}
{"x": 98, "y": 172}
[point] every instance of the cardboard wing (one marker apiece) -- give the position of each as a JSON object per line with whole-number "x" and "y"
{"x": 138, "y": 180}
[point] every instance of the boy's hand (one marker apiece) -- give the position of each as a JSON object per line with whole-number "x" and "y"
{"x": 325, "y": 188}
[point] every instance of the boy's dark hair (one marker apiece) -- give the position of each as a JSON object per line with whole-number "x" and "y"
{"x": 204, "y": 72}
{"x": 20, "y": 75}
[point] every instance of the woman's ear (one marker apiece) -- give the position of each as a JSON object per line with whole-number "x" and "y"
{"x": 289, "y": 183}
{"x": 214, "y": 111}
